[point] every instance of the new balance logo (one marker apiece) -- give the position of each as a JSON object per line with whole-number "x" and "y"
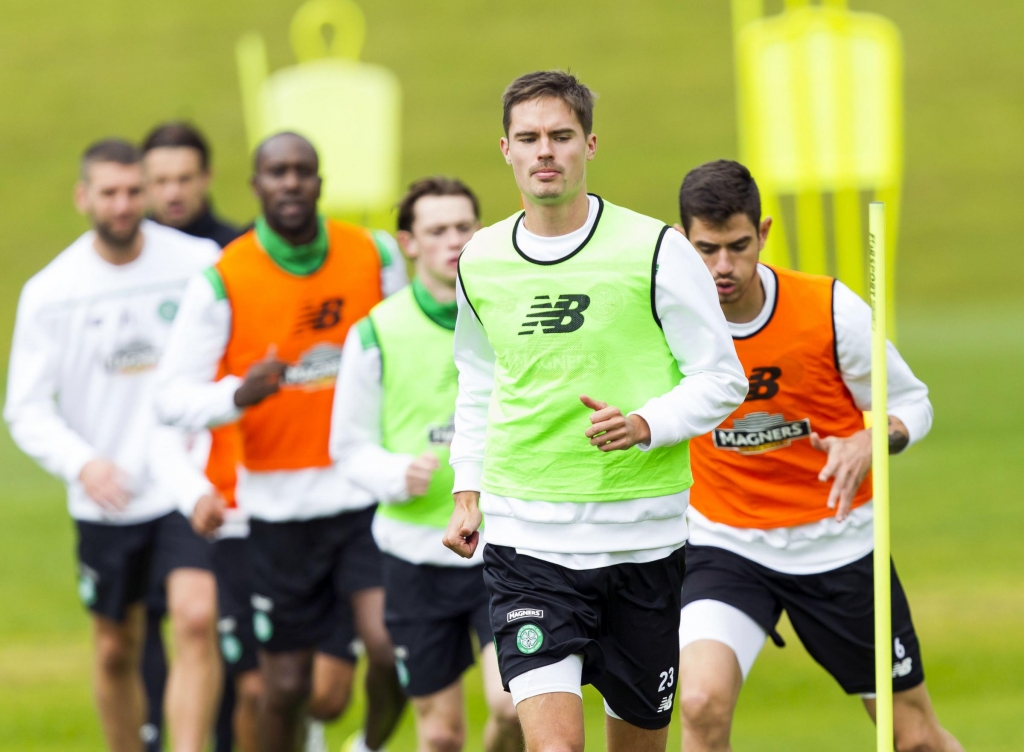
{"x": 763, "y": 383}
{"x": 562, "y": 316}
{"x": 326, "y": 316}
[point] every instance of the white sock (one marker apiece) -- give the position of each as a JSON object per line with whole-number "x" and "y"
{"x": 359, "y": 745}
{"x": 316, "y": 740}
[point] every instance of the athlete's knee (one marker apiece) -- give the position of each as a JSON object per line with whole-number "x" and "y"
{"x": 559, "y": 745}
{"x": 249, "y": 690}
{"x": 918, "y": 740}
{"x": 443, "y": 736}
{"x": 195, "y": 619}
{"x": 286, "y": 688}
{"x": 918, "y": 735}
{"x": 116, "y": 655}
{"x": 704, "y": 708}
{"x": 328, "y": 706}
{"x": 503, "y": 711}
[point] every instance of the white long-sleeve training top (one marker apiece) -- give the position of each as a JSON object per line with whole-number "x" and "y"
{"x": 712, "y": 385}
{"x": 87, "y": 340}
{"x": 356, "y": 446}
{"x": 827, "y": 544}
{"x": 189, "y": 397}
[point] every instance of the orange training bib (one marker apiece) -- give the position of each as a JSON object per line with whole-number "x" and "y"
{"x": 304, "y": 320}
{"x": 758, "y": 469}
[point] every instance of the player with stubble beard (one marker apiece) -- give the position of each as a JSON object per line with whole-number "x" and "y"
{"x": 90, "y": 330}
{"x": 258, "y": 343}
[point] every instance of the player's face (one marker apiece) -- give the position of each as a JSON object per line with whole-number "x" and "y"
{"x": 548, "y": 150}
{"x": 730, "y": 251}
{"x": 442, "y": 225}
{"x": 111, "y": 195}
{"x": 176, "y": 184}
{"x": 287, "y": 184}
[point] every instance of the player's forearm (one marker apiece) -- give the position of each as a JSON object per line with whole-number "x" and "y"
{"x": 44, "y": 436}
{"x": 377, "y": 471}
{"x": 197, "y": 406}
{"x": 713, "y": 383}
{"x": 174, "y": 469}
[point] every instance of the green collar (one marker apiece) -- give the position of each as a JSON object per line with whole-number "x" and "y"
{"x": 442, "y": 314}
{"x": 300, "y": 260}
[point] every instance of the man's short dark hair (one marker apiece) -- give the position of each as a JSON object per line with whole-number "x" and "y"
{"x": 715, "y": 191}
{"x": 432, "y": 186}
{"x": 178, "y": 135}
{"x": 553, "y": 83}
{"x": 109, "y": 150}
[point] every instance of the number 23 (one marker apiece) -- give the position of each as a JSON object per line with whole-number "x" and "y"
{"x": 667, "y": 678}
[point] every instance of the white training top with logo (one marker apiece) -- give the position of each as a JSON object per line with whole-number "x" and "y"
{"x": 87, "y": 340}
{"x": 828, "y": 544}
{"x": 712, "y": 384}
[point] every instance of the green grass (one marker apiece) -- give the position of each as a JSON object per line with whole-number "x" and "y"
{"x": 72, "y": 72}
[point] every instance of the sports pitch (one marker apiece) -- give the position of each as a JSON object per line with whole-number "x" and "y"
{"x": 73, "y": 73}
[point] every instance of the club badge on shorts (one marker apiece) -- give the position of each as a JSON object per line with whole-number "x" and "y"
{"x": 262, "y": 626}
{"x": 529, "y": 639}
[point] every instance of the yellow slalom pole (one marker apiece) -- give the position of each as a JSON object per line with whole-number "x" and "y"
{"x": 880, "y": 474}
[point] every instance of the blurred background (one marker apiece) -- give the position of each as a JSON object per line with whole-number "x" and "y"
{"x": 71, "y": 73}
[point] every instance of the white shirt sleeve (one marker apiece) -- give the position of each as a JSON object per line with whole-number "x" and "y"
{"x": 187, "y": 394}
{"x": 176, "y": 469}
{"x": 474, "y": 358}
{"x": 713, "y": 383}
{"x": 908, "y": 395}
{"x": 355, "y": 442}
{"x": 32, "y": 377}
{"x": 393, "y": 274}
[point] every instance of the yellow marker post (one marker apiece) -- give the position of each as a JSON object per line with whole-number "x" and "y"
{"x": 880, "y": 475}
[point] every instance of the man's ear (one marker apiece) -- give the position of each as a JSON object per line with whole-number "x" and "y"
{"x": 407, "y": 243}
{"x": 503, "y": 145}
{"x": 679, "y": 227}
{"x": 762, "y": 231}
{"x": 81, "y": 202}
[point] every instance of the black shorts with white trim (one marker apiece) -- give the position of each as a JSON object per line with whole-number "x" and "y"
{"x": 118, "y": 565}
{"x": 833, "y": 613}
{"x": 302, "y": 570}
{"x": 623, "y": 619}
{"x": 431, "y": 613}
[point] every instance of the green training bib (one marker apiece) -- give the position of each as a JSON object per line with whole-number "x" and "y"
{"x": 585, "y": 324}
{"x": 419, "y": 383}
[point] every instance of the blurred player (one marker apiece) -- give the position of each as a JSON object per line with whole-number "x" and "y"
{"x": 271, "y": 316}
{"x": 176, "y": 159}
{"x": 91, "y": 328}
{"x": 391, "y": 431}
{"x": 768, "y": 530}
{"x": 590, "y": 349}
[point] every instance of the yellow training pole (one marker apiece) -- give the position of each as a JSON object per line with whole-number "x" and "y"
{"x": 880, "y": 473}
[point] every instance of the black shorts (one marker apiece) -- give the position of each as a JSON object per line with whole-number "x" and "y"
{"x": 623, "y": 620}
{"x": 238, "y": 642}
{"x": 430, "y": 612}
{"x": 301, "y": 570}
{"x": 833, "y": 613}
{"x": 119, "y": 564}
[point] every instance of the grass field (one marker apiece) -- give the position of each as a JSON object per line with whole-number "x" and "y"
{"x": 72, "y": 72}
